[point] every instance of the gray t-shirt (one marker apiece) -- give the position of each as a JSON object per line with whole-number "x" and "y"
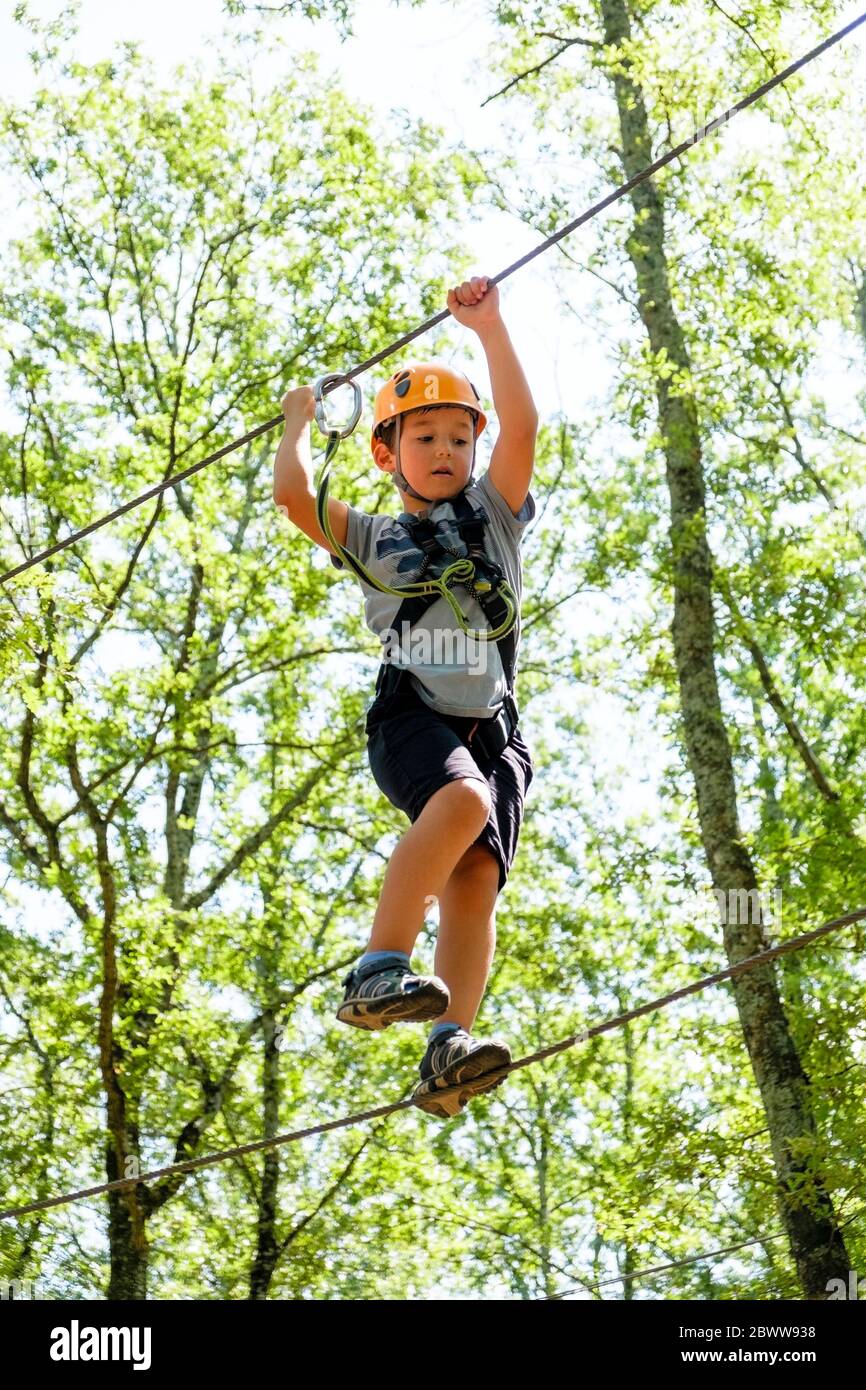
{"x": 453, "y": 673}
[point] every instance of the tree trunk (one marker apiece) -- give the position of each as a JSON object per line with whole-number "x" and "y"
{"x": 127, "y": 1244}
{"x": 805, "y": 1206}
{"x": 267, "y": 1248}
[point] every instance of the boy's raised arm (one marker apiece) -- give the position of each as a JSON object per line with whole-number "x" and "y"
{"x": 294, "y": 492}
{"x": 475, "y": 304}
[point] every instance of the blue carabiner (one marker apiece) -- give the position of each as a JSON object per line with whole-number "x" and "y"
{"x": 318, "y": 392}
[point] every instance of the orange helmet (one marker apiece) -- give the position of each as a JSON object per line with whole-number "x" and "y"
{"x": 425, "y": 383}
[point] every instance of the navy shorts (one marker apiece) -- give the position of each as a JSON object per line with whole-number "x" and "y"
{"x": 413, "y": 751}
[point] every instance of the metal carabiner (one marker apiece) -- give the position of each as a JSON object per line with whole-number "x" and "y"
{"x": 318, "y": 390}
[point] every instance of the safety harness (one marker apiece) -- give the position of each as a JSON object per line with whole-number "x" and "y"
{"x": 491, "y": 734}
{"x": 476, "y": 571}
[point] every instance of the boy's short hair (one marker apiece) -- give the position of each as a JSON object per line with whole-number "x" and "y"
{"x": 387, "y": 431}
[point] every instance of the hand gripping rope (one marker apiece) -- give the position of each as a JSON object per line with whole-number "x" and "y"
{"x": 462, "y": 571}
{"x": 675, "y": 153}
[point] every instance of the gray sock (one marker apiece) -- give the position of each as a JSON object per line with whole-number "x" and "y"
{"x": 371, "y": 957}
{"x": 442, "y": 1030}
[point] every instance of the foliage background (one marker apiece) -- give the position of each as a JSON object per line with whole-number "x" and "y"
{"x": 184, "y": 795}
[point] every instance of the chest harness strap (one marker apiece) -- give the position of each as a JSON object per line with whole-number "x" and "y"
{"x": 489, "y": 735}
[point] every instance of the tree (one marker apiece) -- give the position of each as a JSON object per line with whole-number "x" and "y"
{"x": 636, "y": 67}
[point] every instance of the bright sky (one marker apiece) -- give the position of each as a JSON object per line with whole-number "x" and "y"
{"x": 424, "y": 61}
{"x": 430, "y": 62}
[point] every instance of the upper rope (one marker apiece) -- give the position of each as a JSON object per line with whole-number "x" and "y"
{"x": 700, "y": 134}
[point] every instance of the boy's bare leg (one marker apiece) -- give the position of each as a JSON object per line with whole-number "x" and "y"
{"x": 467, "y": 934}
{"x": 423, "y": 861}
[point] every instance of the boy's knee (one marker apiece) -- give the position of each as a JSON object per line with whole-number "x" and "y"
{"x": 468, "y": 798}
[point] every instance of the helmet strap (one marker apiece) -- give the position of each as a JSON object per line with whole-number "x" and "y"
{"x": 398, "y": 472}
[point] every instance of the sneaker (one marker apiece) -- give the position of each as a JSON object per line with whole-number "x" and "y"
{"x": 376, "y": 997}
{"x": 459, "y": 1060}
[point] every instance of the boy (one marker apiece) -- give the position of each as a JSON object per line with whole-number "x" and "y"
{"x": 436, "y": 727}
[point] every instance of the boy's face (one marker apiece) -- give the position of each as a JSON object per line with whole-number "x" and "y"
{"x": 435, "y": 453}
